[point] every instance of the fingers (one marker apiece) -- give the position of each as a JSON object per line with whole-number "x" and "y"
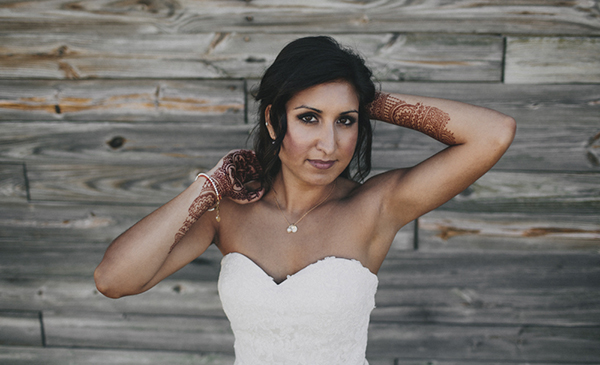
{"x": 247, "y": 196}
{"x": 234, "y": 171}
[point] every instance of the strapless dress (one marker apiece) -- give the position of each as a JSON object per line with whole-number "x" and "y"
{"x": 319, "y": 315}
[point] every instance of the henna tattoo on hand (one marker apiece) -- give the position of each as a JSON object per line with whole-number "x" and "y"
{"x": 238, "y": 168}
{"x": 426, "y": 119}
{"x": 206, "y": 200}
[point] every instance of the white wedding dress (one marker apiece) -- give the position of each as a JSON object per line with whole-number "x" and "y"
{"x": 319, "y": 315}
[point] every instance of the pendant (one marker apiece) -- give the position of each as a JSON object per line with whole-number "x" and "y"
{"x": 292, "y": 228}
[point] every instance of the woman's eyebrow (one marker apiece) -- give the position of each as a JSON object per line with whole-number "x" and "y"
{"x": 308, "y": 107}
{"x": 320, "y": 111}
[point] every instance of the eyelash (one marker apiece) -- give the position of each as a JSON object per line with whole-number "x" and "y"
{"x": 303, "y": 118}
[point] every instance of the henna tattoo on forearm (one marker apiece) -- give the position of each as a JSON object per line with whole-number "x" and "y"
{"x": 426, "y": 119}
{"x": 206, "y": 200}
{"x": 237, "y": 168}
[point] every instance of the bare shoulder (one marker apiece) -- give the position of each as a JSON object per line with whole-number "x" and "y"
{"x": 380, "y": 184}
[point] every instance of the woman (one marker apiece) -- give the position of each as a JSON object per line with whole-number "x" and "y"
{"x": 302, "y": 248}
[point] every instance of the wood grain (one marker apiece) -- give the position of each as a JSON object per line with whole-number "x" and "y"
{"x": 497, "y": 343}
{"x": 29, "y": 261}
{"x": 137, "y": 331}
{"x": 189, "y": 17}
{"x": 65, "y": 224}
{"x": 447, "y": 230}
{"x": 198, "y": 101}
{"x": 461, "y": 304}
{"x": 12, "y": 183}
{"x": 552, "y": 60}
{"x": 187, "y": 144}
{"x": 445, "y": 57}
{"x": 20, "y": 328}
{"x": 13, "y": 355}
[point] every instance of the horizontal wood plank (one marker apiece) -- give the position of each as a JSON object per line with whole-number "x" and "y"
{"x": 188, "y": 144}
{"x": 23, "y": 260}
{"x": 13, "y": 188}
{"x": 171, "y": 296}
{"x": 16, "y": 355}
{"x": 198, "y": 101}
{"x": 445, "y": 57}
{"x": 137, "y": 331}
{"x": 63, "y": 224}
{"x": 150, "y": 185}
{"x": 502, "y": 269}
{"x": 20, "y": 328}
{"x": 447, "y": 230}
{"x": 185, "y": 17}
{"x": 499, "y": 343}
{"x": 535, "y": 193}
{"x": 552, "y": 60}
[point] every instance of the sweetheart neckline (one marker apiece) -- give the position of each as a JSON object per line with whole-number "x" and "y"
{"x": 312, "y": 264}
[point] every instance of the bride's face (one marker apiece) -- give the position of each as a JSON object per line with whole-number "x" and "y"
{"x": 321, "y": 134}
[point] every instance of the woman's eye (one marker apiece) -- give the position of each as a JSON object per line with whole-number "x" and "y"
{"x": 347, "y": 121}
{"x": 308, "y": 118}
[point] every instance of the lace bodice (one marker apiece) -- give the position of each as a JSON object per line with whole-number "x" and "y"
{"x": 319, "y": 315}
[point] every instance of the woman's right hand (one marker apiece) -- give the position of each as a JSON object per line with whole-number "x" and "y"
{"x": 233, "y": 174}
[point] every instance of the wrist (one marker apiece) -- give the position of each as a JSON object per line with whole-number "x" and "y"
{"x": 379, "y": 108}
{"x": 214, "y": 197}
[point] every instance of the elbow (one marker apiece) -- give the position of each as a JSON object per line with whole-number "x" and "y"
{"x": 505, "y": 132}
{"x": 105, "y": 286}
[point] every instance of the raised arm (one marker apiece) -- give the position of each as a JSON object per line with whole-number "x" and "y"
{"x": 176, "y": 233}
{"x": 477, "y": 137}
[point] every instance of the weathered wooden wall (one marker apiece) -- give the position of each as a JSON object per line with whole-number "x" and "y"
{"x": 109, "y": 108}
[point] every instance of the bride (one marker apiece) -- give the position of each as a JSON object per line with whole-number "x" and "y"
{"x": 302, "y": 232}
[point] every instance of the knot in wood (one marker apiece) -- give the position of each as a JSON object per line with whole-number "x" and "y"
{"x": 116, "y": 142}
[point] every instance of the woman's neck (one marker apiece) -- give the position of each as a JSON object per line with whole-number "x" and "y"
{"x": 295, "y": 198}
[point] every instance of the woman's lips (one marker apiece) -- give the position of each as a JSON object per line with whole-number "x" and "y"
{"x": 320, "y": 164}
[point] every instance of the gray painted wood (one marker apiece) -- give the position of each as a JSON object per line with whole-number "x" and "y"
{"x": 489, "y": 343}
{"x": 530, "y": 193}
{"x": 108, "y": 109}
{"x": 17, "y": 355}
{"x": 191, "y": 144}
{"x": 578, "y": 306}
{"x": 13, "y": 188}
{"x": 448, "y": 230}
{"x": 552, "y": 60}
{"x": 445, "y": 57}
{"x": 137, "y": 331}
{"x": 500, "y": 342}
{"x": 500, "y": 269}
{"x": 163, "y": 100}
{"x": 188, "y": 17}
{"x": 66, "y": 223}
{"x": 20, "y": 260}
{"x": 20, "y": 328}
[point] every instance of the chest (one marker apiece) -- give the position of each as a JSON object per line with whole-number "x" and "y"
{"x": 261, "y": 233}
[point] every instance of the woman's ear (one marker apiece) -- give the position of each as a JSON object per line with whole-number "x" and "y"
{"x": 268, "y": 122}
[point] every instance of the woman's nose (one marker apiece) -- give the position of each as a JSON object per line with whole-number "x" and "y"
{"x": 326, "y": 142}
